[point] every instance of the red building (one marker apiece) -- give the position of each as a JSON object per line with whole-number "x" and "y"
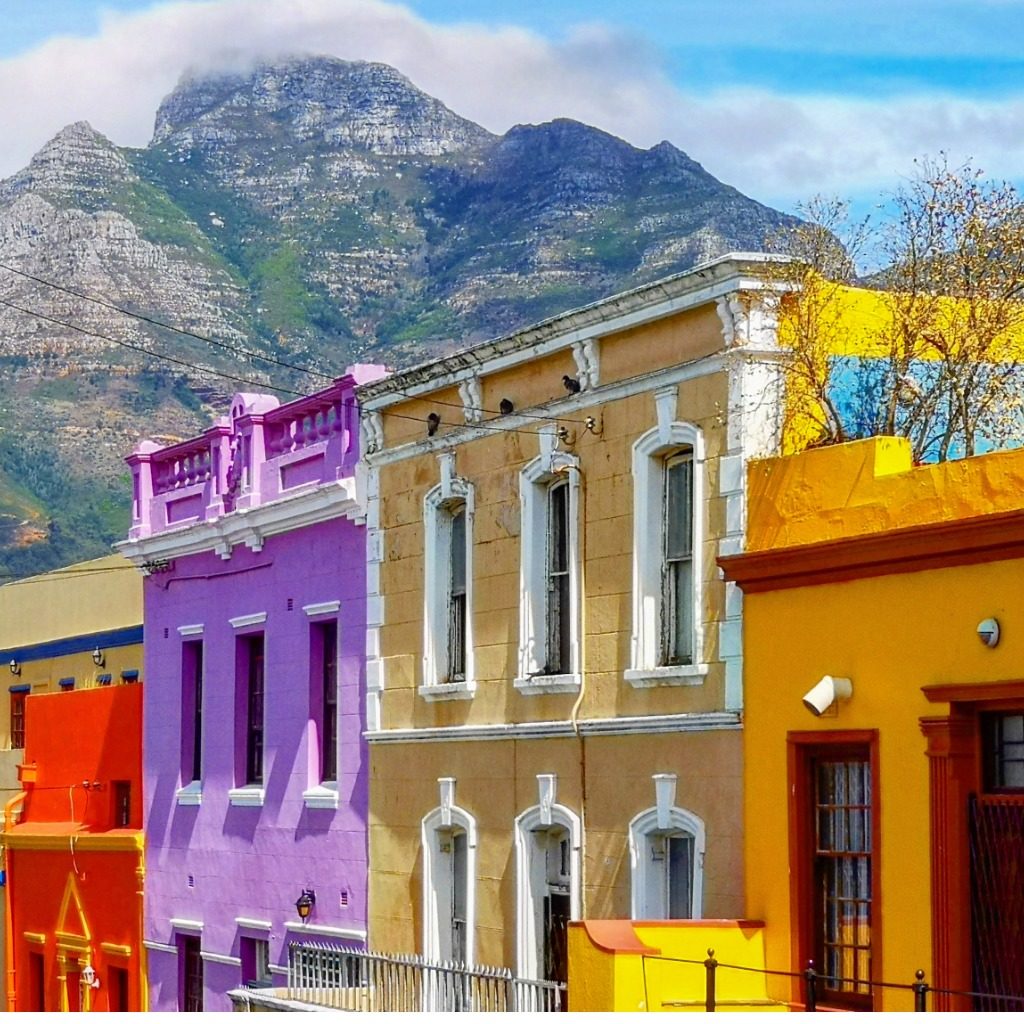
{"x": 74, "y": 860}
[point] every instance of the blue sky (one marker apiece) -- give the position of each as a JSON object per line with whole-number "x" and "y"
{"x": 783, "y": 98}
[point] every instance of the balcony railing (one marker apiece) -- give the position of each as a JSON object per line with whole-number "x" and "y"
{"x": 358, "y": 980}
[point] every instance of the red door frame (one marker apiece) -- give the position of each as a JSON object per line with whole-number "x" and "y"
{"x": 802, "y": 748}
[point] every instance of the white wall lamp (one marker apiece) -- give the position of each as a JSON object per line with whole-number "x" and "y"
{"x": 988, "y": 632}
{"x": 14, "y": 667}
{"x": 824, "y": 694}
{"x": 98, "y": 658}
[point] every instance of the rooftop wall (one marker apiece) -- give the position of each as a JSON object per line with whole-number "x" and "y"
{"x": 872, "y": 486}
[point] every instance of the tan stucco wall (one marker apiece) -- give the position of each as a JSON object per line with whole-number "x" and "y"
{"x": 497, "y": 782}
{"x": 492, "y": 463}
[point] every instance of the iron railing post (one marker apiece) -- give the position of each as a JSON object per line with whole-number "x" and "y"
{"x": 920, "y": 988}
{"x": 710, "y": 965}
{"x": 811, "y": 988}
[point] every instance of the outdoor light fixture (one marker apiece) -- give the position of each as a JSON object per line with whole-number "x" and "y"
{"x": 305, "y": 903}
{"x": 98, "y": 658}
{"x": 89, "y": 976}
{"x": 826, "y": 692}
{"x": 988, "y": 632}
{"x": 15, "y": 667}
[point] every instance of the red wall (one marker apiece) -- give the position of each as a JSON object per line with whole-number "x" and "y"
{"x": 89, "y": 736}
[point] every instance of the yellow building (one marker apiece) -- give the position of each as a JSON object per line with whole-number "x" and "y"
{"x": 555, "y": 669}
{"x": 884, "y": 721}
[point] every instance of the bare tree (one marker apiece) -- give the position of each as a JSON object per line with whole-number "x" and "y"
{"x": 937, "y": 355}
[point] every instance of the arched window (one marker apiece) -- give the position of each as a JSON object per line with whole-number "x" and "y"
{"x": 449, "y": 877}
{"x": 548, "y": 840}
{"x": 666, "y": 846}
{"x": 668, "y": 635}
{"x": 448, "y": 587}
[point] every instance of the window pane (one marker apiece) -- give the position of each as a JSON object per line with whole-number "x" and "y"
{"x": 254, "y": 744}
{"x": 458, "y": 550}
{"x": 679, "y": 508}
{"x": 329, "y": 710}
{"x": 558, "y": 545}
{"x": 680, "y": 876}
{"x": 559, "y": 623}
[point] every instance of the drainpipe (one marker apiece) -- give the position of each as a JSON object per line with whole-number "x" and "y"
{"x": 8, "y": 911}
{"x": 140, "y": 874}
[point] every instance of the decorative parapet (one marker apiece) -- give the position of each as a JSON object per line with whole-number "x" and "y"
{"x": 260, "y": 453}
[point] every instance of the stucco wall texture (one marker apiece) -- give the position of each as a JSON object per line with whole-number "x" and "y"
{"x": 215, "y": 862}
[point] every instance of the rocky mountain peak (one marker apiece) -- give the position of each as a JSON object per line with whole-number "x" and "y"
{"x": 77, "y": 162}
{"x": 342, "y": 104}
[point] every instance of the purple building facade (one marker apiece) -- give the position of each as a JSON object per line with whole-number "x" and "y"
{"x": 253, "y": 543}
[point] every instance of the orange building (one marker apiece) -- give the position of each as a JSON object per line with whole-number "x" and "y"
{"x": 74, "y": 860}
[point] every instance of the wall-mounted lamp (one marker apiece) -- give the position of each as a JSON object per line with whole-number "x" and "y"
{"x": 15, "y": 667}
{"x": 88, "y": 977}
{"x": 98, "y": 658}
{"x": 828, "y": 690}
{"x": 305, "y": 903}
{"x": 988, "y": 632}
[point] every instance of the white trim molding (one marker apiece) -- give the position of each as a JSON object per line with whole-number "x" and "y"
{"x": 647, "y": 889}
{"x": 194, "y": 630}
{"x": 532, "y": 830}
{"x": 437, "y": 830}
{"x": 249, "y": 526}
{"x": 247, "y": 796}
{"x": 650, "y": 451}
{"x": 324, "y": 797}
{"x": 256, "y": 924}
{"x": 322, "y": 608}
{"x": 452, "y": 494}
{"x": 185, "y": 924}
{"x": 635, "y": 725}
{"x": 241, "y": 621}
{"x": 535, "y": 484}
{"x": 359, "y": 934}
{"x": 190, "y": 795}
{"x": 160, "y": 947}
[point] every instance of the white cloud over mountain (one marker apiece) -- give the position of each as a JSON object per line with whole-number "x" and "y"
{"x": 773, "y": 146}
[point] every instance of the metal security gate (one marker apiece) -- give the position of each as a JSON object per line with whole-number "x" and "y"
{"x": 996, "y": 831}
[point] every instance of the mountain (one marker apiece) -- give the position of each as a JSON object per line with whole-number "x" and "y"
{"x": 311, "y": 211}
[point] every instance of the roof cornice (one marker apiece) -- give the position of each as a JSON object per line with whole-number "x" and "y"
{"x": 990, "y": 538}
{"x": 697, "y": 286}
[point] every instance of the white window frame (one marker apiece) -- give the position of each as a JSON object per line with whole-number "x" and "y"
{"x": 436, "y": 825}
{"x": 645, "y": 826}
{"x": 535, "y": 482}
{"x": 531, "y": 875}
{"x": 651, "y": 451}
{"x": 437, "y": 505}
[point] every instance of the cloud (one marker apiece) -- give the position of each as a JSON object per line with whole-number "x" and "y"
{"x": 773, "y": 146}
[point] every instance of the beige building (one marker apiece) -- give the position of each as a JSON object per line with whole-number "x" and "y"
{"x": 555, "y": 677}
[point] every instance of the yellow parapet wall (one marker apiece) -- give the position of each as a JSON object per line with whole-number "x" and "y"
{"x": 656, "y": 966}
{"x": 872, "y": 486}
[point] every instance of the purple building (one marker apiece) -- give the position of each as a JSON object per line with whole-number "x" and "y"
{"x": 253, "y": 542}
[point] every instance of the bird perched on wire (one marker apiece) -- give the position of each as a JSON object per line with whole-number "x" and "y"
{"x": 505, "y": 406}
{"x": 433, "y": 422}
{"x": 572, "y": 385}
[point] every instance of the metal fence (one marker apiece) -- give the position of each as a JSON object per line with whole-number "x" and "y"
{"x": 352, "y": 979}
{"x": 817, "y": 987}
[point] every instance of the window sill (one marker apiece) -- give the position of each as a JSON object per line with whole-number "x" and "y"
{"x": 533, "y": 685}
{"x": 666, "y": 675}
{"x": 322, "y": 798}
{"x": 246, "y": 796}
{"x": 462, "y": 690}
{"x": 190, "y": 795}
